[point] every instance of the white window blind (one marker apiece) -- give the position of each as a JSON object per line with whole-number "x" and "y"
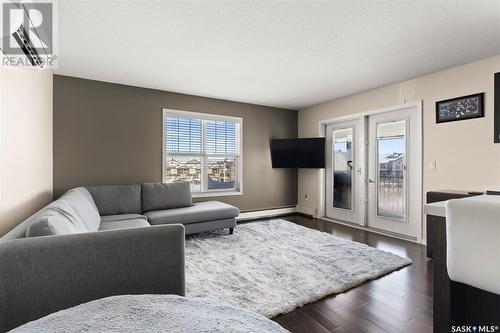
{"x": 203, "y": 150}
{"x": 221, "y": 137}
{"x": 184, "y": 135}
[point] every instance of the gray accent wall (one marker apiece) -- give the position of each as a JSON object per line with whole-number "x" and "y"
{"x": 106, "y": 133}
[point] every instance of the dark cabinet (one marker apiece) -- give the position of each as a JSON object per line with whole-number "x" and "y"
{"x": 455, "y": 304}
{"x": 436, "y": 196}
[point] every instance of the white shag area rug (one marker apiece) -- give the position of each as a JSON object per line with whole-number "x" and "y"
{"x": 152, "y": 313}
{"x": 276, "y": 266}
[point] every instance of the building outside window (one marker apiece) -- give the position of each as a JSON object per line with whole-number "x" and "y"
{"x": 204, "y": 150}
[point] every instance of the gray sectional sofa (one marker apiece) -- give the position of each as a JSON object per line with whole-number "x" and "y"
{"x": 101, "y": 241}
{"x": 109, "y": 207}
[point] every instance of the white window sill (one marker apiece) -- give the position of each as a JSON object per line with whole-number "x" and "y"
{"x": 216, "y": 194}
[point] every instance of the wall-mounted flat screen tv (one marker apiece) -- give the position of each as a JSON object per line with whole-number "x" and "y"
{"x": 298, "y": 153}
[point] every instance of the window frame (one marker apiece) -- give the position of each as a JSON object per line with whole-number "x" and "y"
{"x": 238, "y": 189}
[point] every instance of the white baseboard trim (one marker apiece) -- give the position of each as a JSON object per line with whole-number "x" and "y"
{"x": 259, "y": 214}
{"x": 376, "y": 231}
{"x": 306, "y": 210}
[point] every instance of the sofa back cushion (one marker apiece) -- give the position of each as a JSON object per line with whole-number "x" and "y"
{"x": 117, "y": 199}
{"x": 83, "y": 206}
{"x": 58, "y": 218}
{"x": 158, "y": 196}
{"x": 74, "y": 212}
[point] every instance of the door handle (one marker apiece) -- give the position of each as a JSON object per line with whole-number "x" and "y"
{"x": 368, "y": 180}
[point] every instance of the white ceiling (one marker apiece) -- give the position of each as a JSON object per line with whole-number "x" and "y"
{"x": 282, "y": 54}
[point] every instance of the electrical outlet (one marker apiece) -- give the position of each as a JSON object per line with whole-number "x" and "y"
{"x": 433, "y": 165}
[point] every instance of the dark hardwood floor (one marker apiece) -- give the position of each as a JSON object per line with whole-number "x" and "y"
{"x": 398, "y": 302}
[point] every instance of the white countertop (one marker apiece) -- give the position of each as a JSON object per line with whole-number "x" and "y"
{"x": 436, "y": 208}
{"x": 439, "y": 208}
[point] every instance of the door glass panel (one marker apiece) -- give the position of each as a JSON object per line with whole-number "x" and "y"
{"x": 342, "y": 168}
{"x": 391, "y": 166}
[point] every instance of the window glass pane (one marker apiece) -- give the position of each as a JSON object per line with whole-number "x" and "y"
{"x": 342, "y": 168}
{"x": 182, "y": 168}
{"x": 391, "y": 197}
{"x": 222, "y": 173}
{"x": 187, "y": 142}
{"x": 221, "y": 137}
{"x": 183, "y": 135}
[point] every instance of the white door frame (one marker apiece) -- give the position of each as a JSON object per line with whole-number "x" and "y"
{"x": 363, "y": 130}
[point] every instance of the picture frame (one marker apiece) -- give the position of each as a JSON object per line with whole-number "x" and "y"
{"x": 460, "y": 108}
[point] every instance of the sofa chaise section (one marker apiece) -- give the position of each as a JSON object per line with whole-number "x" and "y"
{"x": 201, "y": 216}
{"x": 172, "y": 203}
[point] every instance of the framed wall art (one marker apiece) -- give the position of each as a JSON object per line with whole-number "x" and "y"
{"x": 460, "y": 108}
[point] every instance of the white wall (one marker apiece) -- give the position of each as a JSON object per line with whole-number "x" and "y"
{"x": 466, "y": 157}
{"x": 25, "y": 144}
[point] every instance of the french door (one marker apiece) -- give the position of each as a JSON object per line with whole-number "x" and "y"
{"x": 373, "y": 174}
{"x": 394, "y": 172}
{"x": 343, "y": 182}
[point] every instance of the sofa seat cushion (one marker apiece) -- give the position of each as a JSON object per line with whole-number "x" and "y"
{"x": 124, "y": 224}
{"x": 122, "y": 217}
{"x": 158, "y": 196}
{"x": 117, "y": 199}
{"x": 199, "y": 212}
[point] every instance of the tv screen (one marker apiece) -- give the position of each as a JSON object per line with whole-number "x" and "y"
{"x": 298, "y": 153}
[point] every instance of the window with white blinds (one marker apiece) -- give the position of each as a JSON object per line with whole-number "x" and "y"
{"x": 202, "y": 149}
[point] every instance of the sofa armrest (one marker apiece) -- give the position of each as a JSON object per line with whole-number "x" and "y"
{"x": 42, "y": 275}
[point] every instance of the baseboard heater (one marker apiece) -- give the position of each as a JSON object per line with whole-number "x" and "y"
{"x": 266, "y": 213}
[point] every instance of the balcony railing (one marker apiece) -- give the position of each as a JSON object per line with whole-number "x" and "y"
{"x": 391, "y": 194}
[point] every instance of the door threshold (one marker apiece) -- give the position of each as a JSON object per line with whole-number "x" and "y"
{"x": 371, "y": 229}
